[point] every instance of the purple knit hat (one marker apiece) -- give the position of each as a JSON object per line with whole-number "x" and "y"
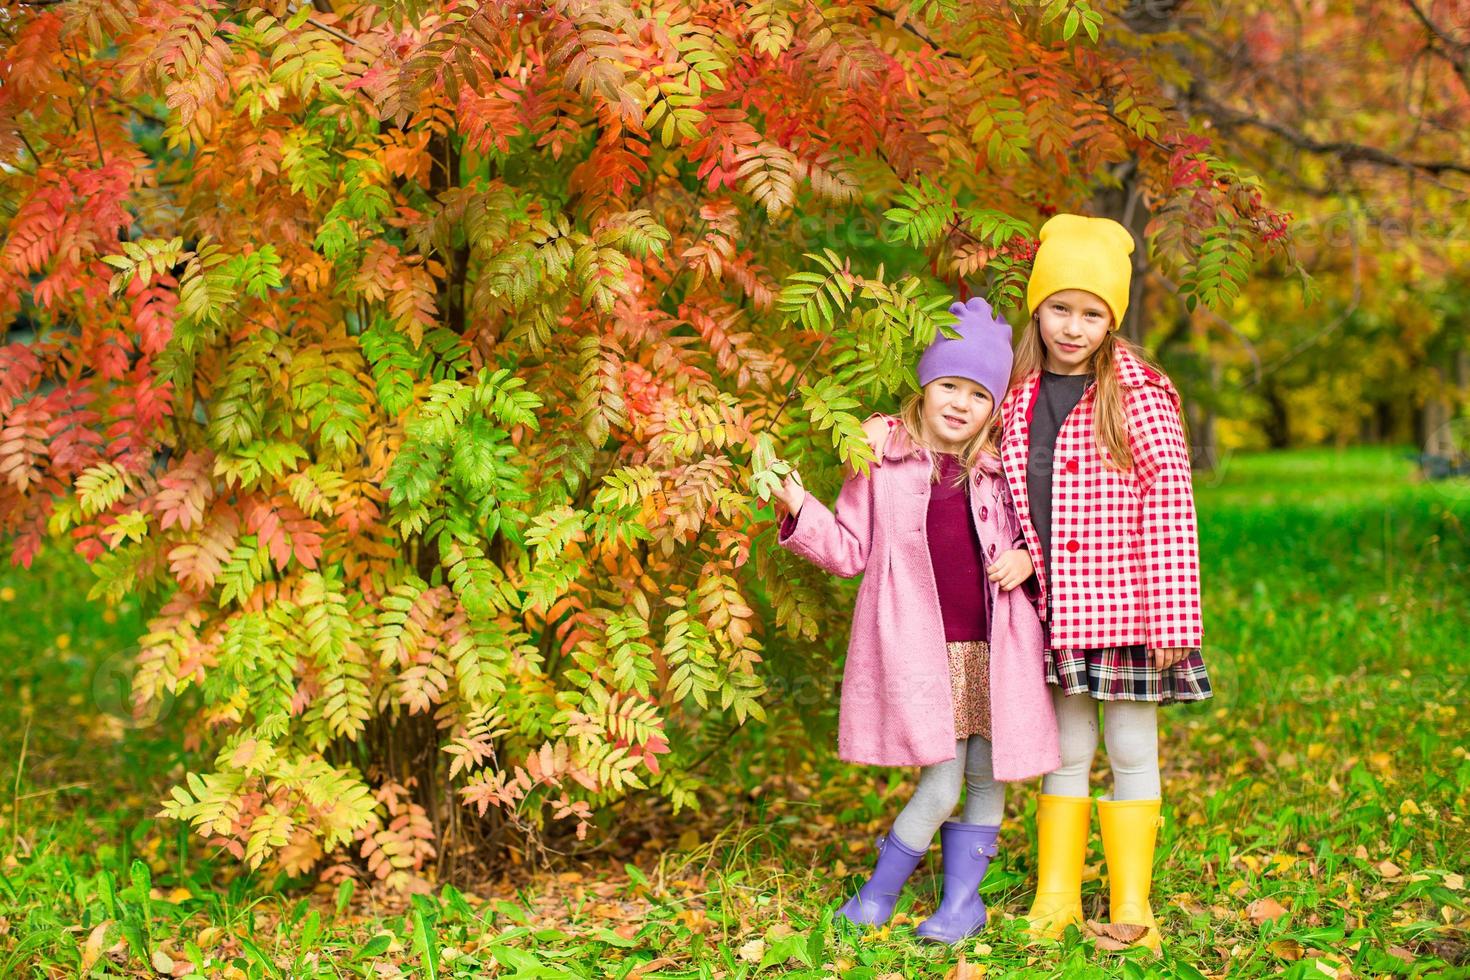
{"x": 982, "y": 353}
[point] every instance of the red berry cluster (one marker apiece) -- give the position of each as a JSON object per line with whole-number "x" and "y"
{"x": 1276, "y": 223}
{"x": 1023, "y": 248}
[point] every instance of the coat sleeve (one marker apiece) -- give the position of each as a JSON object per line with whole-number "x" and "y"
{"x": 1170, "y": 540}
{"x": 838, "y": 542}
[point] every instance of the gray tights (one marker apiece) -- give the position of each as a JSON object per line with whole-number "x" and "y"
{"x": 938, "y": 793}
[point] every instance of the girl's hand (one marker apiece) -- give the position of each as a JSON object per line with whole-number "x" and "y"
{"x": 876, "y": 429}
{"x": 791, "y": 493}
{"x": 1164, "y": 659}
{"x": 1011, "y": 568}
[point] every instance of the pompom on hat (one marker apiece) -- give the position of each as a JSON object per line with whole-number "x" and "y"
{"x": 1078, "y": 252}
{"x": 982, "y": 353}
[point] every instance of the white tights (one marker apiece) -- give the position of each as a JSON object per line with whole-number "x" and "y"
{"x": 1130, "y": 729}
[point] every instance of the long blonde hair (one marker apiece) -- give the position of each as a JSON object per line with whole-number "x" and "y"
{"x": 1110, "y": 421}
{"x": 987, "y": 440}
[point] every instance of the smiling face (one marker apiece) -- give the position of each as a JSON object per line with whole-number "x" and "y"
{"x": 1073, "y": 323}
{"x": 954, "y": 411}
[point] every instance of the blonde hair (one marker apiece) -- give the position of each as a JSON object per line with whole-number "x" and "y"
{"x": 1110, "y": 421}
{"x": 911, "y": 413}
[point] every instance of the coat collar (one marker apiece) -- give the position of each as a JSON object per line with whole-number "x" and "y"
{"x": 1134, "y": 373}
{"x": 900, "y": 446}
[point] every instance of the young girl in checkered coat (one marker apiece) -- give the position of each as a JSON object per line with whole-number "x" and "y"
{"x": 1095, "y": 455}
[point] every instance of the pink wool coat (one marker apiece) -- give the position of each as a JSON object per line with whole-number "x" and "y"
{"x": 1124, "y": 543}
{"x": 896, "y": 707}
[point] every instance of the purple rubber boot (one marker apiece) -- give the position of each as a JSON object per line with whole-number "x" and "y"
{"x": 873, "y": 903}
{"x": 966, "y": 849}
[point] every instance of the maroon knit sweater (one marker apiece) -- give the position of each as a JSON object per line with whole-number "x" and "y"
{"x": 954, "y": 551}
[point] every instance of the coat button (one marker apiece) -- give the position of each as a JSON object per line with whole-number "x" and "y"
{"x": 992, "y": 551}
{"x": 1072, "y": 466}
{"x": 984, "y": 513}
{"x": 1072, "y": 546}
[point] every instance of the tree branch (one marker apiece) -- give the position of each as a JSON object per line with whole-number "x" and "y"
{"x": 1458, "y": 54}
{"x": 1344, "y": 150}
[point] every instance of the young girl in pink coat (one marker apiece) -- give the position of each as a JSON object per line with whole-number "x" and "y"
{"x": 944, "y": 666}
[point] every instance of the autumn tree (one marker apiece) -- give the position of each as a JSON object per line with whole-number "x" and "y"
{"x": 415, "y": 362}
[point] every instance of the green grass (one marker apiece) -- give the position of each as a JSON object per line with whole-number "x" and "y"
{"x": 1328, "y": 774}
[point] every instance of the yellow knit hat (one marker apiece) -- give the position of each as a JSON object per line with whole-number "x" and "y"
{"x": 1078, "y": 252}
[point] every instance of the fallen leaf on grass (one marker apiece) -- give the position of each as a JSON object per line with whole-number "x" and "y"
{"x": 92, "y": 950}
{"x": 1398, "y": 952}
{"x": 1389, "y": 870}
{"x": 1263, "y": 910}
{"x": 1115, "y": 936}
{"x": 965, "y": 971}
{"x": 752, "y": 951}
{"x": 162, "y": 962}
{"x": 638, "y": 971}
{"x": 1287, "y": 949}
{"x": 1454, "y": 882}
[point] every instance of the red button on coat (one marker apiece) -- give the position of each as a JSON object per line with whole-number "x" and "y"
{"x": 1073, "y": 545}
{"x": 984, "y": 513}
{"x": 1071, "y": 466}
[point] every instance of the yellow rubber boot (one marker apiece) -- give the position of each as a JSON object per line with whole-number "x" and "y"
{"x": 1130, "y": 828}
{"x": 1062, "y": 823}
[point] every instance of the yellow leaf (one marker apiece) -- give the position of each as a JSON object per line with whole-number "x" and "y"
{"x": 179, "y": 894}
{"x": 1409, "y": 808}
{"x": 1454, "y": 881}
{"x": 1389, "y": 870}
{"x": 1287, "y": 949}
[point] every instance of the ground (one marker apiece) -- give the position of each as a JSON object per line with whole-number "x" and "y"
{"x": 1315, "y": 808}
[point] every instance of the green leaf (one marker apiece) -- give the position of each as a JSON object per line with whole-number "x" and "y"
{"x": 424, "y": 939}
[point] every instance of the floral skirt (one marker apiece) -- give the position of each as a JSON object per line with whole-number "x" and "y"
{"x": 1127, "y": 673}
{"x": 969, "y": 685}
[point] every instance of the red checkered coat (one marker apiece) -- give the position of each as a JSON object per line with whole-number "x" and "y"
{"x": 1125, "y": 543}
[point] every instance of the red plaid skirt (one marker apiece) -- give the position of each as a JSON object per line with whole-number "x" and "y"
{"x": 1127, "y": 673}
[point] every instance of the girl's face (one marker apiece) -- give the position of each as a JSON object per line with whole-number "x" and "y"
{"x": 954, "y": 412}
{"x": 1073, "y": 325}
